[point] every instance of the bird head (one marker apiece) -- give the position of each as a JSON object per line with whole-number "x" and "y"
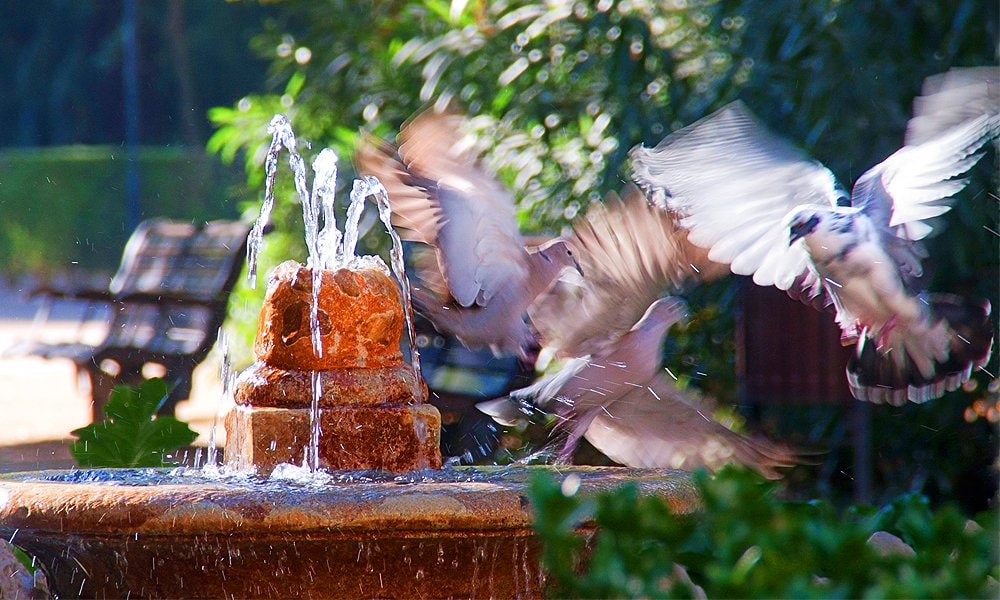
{"x": 802, "y": 224}
{"x": 561, "y": 253}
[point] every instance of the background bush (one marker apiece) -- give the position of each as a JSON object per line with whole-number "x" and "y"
{"x": 62, "y": 208}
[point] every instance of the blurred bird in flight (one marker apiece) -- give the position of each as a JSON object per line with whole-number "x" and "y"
{"x": 442, "y": 197}
{"x": 768, "y": 210}
{"x": 606, "y": 316}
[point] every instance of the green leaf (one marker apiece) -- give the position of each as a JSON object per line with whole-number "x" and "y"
{"x": 295, "y": 83}
{"x": 23, "y": 558}
{"x": 131, "y": 436}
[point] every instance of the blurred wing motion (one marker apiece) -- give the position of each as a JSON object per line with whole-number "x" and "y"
{"x": 438, "y": 192}
{"x": 656, "y": 425}
{"x": 950, "y": 99}
{"x": 734, "y": 184}
{"x": 765, "y": 208}
{"x": 632, "y": 253}
{"x": 443, "y": 197}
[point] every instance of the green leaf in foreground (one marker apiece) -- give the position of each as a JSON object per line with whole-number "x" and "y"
{"x": 131, "y": 436}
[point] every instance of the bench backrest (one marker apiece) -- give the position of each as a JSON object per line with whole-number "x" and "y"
{"x": 193, "y": 268}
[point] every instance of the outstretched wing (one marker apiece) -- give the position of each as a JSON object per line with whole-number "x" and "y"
{"x": 437, "y": 189}
{"x": 657, "y": 425}
{"x": 631, "y": 253}
{"x": 414, "y": 214}
{"x": 952, "y": 98}
{"x": 735, "y": 184}
{"x": 917, "y": 182}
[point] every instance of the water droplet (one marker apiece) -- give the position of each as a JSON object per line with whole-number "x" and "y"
{"x": 570, "y": 485}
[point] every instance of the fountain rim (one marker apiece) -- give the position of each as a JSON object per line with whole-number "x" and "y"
{"x": 30, "y": 504}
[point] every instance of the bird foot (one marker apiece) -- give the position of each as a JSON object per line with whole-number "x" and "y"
{"x": 885, "y": 331}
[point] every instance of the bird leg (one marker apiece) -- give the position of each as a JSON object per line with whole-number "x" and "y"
{"x": 885, "y": 331}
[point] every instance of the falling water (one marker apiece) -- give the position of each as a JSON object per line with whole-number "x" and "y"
{"x": 324, "y": 188}
{"x": 399, "y": 268}
{"x": 228, "y": 380}
{"x": 324, "y": 185}
{"x": 255, "y": 241}
{"x": 328, "y": 248}
{"x": 361, "y": 190}
{"x": 311, "y": 459}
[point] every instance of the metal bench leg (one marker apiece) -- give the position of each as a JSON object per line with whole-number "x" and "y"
{"x": 101, "y": 385}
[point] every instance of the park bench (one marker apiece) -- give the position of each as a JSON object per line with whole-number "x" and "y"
{"x": 166, "y": 303}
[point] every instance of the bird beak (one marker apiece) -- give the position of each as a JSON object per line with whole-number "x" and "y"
{"x": 800, "y": 229}
{"x": 579, "y": 269}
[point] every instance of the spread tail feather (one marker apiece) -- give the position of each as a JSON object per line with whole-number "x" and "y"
{"x": 881, "y": 377}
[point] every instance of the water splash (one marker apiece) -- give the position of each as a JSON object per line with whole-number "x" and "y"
{"x": 320, "y": 253}
{"x": 280, "y": 129}
{"x": 361, "y": 190}
{"x": 324, "y": 189}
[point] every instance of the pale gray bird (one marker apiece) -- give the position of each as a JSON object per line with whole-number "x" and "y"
{"x": 658, "y": 425}
{"x": 632, "y": 253}
{"x": 579, "y": 390}
{"x": 441, "y": 196}
{"x": 765, "y": 208}
{"x": 619, "y": 400}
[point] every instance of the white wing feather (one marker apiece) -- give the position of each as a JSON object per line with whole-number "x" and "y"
{"x": 916, "y": 182}
{"x": 736, "y": 183}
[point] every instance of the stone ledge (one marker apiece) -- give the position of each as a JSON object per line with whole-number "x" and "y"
{"x": 263, "y": 385}
{"x": 391, "y": 438}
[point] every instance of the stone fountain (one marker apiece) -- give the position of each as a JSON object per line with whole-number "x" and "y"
{"x": 369, "y": 402}
{"x": 370, "y": 514}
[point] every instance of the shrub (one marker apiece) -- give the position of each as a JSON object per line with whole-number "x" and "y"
{"x": 64, "y": 207}
{"x": 746, "y": 542}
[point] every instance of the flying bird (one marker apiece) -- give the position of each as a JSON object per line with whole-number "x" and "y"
{"x": 768, "y": 210}
{"x": 579, "y": 390}
{"x": 441, "y": 196}
{"x": 610, "y": 327}
{"x": 632, "y": 254}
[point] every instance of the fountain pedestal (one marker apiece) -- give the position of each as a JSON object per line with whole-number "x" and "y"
{"x": 370, "y": 404}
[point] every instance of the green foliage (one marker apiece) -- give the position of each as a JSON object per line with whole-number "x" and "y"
{"x": 63, "y": 207}
{"x": 746, "y": 542}
{"x": 131, "y": 436}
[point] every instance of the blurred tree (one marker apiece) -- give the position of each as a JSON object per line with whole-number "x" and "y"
{"x": 561, "y": 90}
{"x": 62, "y": 76}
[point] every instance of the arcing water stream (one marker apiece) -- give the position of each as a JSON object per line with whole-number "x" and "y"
{"x": 328, "y": 248}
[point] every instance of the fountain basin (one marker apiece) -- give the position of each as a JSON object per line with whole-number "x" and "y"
{"x": 456, "y": 532}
